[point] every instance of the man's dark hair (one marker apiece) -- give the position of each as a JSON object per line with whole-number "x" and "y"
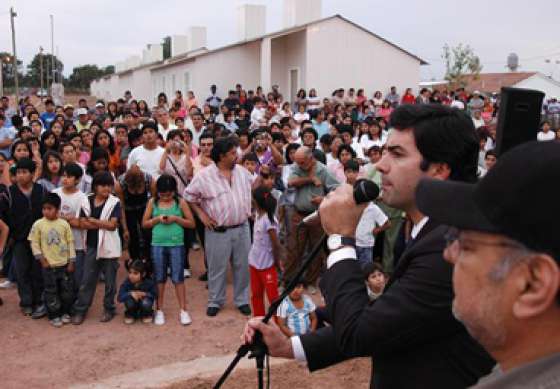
{"x": 102, "y": 179}
{"x": 326, "y": 139}
{"x": 26, "y": 164}
{"x": 121, "y": 125}
{"x": 290, "y": 147}
{"x": 206, "y": 135}
{"x": 134, "y": 135}
{"x": 52, "y": 199}
{"x": 138, "y": 265}
{"x": 250, "y": 157}
{"x": 491, "y": 153}
{"x": 310, "y": 130}
{"x": 73, "y": 170}
{"x": 352, "y": 165}
{"x": 221, "y": 147}
{"x": 374, "y": 148}
{"x": 371, "y": 268}
{"x": 278, "y": 136}
{"x": 149, "y": 124}
{"x": 442, "y": 135}
{"x": 173, "y": 133}
{"x": 342, "y": 128}
{"x": 17, "y": 121}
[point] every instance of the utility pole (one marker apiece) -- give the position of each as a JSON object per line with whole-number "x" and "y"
{"x": 41, "y": 70}
{"x": 15, "y": 63}
{"x": 52, "y": 50}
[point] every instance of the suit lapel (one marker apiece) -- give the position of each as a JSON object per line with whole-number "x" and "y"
{"x": 408, "y": 253}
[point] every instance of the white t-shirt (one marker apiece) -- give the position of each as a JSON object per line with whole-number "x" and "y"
{"x": 300, "y": 117}
{"x": 71, "y": 205}
{"x": 458, "y": 104}
{"x": 372, "y": 217}
{"x": 147, "y": 160}
{"x": 544, "y": 137}
{"x": 366, "y": 142}
{"x": 478, "y": 122}
{"x": 164, "y": 131}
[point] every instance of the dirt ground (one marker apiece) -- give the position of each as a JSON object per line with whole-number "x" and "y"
{"x": 37, "y": 355}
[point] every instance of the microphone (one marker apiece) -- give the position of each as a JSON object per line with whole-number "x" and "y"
{"x": 364, "y": 192}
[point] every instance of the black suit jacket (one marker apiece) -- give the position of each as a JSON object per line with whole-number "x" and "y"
{"x": 410, "y": 332}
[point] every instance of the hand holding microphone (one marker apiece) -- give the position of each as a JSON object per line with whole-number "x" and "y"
{"x": 346, "y": 203}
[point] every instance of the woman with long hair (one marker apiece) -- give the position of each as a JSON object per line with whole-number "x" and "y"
{"x": 103, "y": 139}
{"x": 51, "y": 171}
{"x": 113, "y": 111}
{"x": 143, "y": 110}
{"x": 86, "y": 147}
{"x": 49, "y": 141}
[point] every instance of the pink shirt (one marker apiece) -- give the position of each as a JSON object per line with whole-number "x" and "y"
{"x": 228, "y": 205}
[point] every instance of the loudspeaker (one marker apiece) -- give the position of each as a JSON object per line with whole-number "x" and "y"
{"x": 519, "y": 117}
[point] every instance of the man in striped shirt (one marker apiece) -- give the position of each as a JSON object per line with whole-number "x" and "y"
{"x": 221, "y": 197}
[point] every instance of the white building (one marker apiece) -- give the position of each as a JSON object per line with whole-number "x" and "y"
{"x": 325, "y": 54}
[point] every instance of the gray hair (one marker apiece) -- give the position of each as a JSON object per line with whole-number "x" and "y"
{"x": 508, "y": 262}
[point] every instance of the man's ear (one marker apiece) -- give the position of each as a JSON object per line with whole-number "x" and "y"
{"x": 538, "y": 283}
{"x": 439, "y": 170}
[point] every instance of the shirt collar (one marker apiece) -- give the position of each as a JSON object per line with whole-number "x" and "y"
{"x": 418, "y": 227}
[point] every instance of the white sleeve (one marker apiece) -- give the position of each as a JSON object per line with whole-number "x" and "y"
{"x": 282, "y": 310}
{"x": 130, "y": 160}
{"x": 297, "y": 348}
{"x": 380, "y": 217}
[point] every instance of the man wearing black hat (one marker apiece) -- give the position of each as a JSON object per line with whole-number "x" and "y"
{"x": 505, "y": 249}
{"x": 409, "y": 331}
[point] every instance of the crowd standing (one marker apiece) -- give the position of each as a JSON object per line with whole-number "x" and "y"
{"x": 85, "y": 189}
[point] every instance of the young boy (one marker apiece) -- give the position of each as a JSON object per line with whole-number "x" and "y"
{"x": 250, "y": 161}
{"x": 26, "y": 202}
{"x": 72, "y": 202}
{"x": 296, "y": 313}
{"x": 103, "y": 247}
{"x": 137, "y": 293}
{"x": 52, "y": 244}
{"x": 372, "y": 216}
{"x": 375, "y": 280}
{"x": 374, "y": 155}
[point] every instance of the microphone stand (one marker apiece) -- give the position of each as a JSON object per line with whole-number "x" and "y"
{"x": 258, "y": 349}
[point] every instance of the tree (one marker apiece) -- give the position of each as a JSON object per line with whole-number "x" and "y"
{"x": 459, "y": 61}
{"x": 32, "y": 77}
{"x": 83, "y": 75}
{"x": 167, "y": 47}
{"x": 6, "y": 60}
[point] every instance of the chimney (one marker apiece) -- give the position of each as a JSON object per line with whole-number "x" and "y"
{"x": 179, "y": 44}
{"x": 196, "y": 37}
{"x": 298, "y": 12}
{"x": 251, "y": 21}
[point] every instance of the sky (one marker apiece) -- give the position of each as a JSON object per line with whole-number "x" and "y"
{"x": 103, "y": 32}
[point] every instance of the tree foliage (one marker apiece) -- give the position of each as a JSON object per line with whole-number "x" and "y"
{"x": 459, "y": 61}
{"x": 32, "y": 77}
{"x": 8, "y": 70}
{"x": 83, "y": 75}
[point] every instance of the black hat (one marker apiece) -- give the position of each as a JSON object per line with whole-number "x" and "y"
{"x": 518, "y": 198}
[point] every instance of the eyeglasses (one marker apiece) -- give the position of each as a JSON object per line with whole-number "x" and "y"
{"x": 453, "y": 235}
{"x": 206, "y": 144}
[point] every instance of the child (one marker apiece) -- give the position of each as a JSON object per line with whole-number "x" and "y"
{"x": 296, "y": 314}
{"x": 26, "y": 201}
{"x": 371, "y": 172}
{"x": 375, "y": 280}
{"x": 372, "y": 216}
{"x": 137, "y": 293}
{"x": 167, "y": 215}
{"x": 52, "y": 244}
{"x": 51, "y": 171}
{"x": 250, "y": 161}
{"x": 264, "y": 256}
{"x": 72, "y": 202}
{"x": 103, "y": 247}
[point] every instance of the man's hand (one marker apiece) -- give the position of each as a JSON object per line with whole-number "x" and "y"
{"x": 207, "y": 221}
{"x": 316, "y": 181}
{"x": 316, "y": 200}
{"x": 71, "y": 267}
{"x": 44, "y": 263}
{"x": 278, "y": 344}
{"x": 339, "y": 212}
{"x": 376, "y": 231}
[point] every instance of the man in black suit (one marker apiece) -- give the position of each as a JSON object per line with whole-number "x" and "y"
{"x": 410, "y": 331}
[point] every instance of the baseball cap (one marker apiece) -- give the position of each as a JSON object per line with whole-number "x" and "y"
{"x": 68, "y": 106}
{"x": 82, "y": 111}
{"x": 99, "y": 104}
{"x": 517, "y": 198}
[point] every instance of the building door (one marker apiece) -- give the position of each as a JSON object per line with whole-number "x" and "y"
{"x": 294, "y": 84}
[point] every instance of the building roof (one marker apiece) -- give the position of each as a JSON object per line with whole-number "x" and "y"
{"x": 488, "y": 82}
{"x": 198, "y": 52}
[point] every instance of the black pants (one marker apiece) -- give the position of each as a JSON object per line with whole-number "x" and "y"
{"x": 140, "y": 238}
{"x": 28, "y": 274}
{"x": 200, "y": 231}
{"x": 138, "y": 308}
{"x": 92, "y": 268}
{"x": 59, "y": 291}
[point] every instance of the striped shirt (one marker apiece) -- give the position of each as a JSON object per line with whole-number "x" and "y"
{"x": 228, "y": 204}
{"x": 298, "y": 320}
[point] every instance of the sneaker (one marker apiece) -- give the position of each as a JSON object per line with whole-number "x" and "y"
{"x": 245, "y": 310}
{"x": 66, "y": 319}
{"x": 159, "y": 319}
{"x": 27, "y": 311}
{"x": 128, "y": 320}
{"x": 56, "y": 322}
{"x": 212, "y": 311}
{"x": 39, "y": 312}
{"x": 185, "y": 318}
{"x": 203, "y": 277}
{"x": 78, "y": 319}
{"x": 6, "y": 284}
{"x": 107, "y": 316}
{"x": 147, "y": 320}
{"x": 195, "y": 246}
{"x": 187, "y": 273}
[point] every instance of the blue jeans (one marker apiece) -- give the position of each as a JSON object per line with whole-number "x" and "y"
{"x": 79, "y": 268}
{"x": 169, "y": 256}
{"x": 364, "y": 254}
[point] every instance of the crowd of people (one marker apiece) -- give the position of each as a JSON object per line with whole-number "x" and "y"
{"x": 82, "y": 190}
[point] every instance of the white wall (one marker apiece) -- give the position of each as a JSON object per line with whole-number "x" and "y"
{"x": 340, "y": 55}
{"x": 289, "y": 52}
{"x": 540, "y": 82}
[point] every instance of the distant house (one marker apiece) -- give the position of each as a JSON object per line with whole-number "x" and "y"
{"x": 493, "y": 82}
{"x": 324, "y": 54}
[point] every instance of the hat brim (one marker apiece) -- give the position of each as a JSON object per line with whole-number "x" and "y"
{"x": 452, "y": 203}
